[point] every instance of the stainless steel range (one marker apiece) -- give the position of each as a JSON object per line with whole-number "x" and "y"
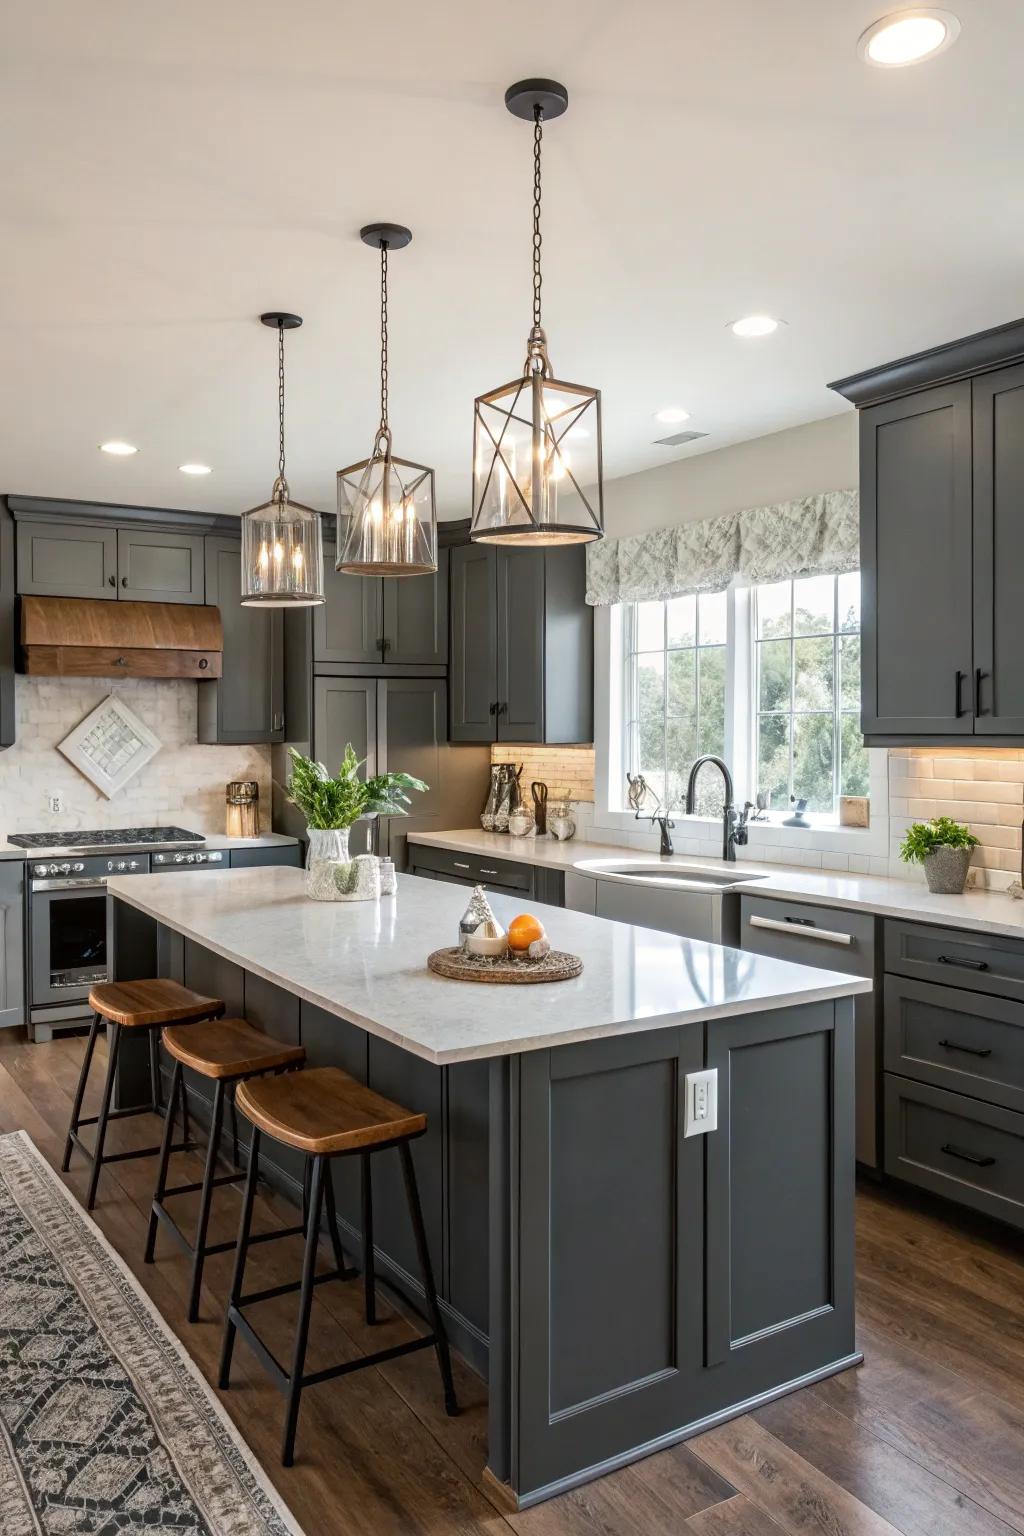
{"x": 68, "y": 940}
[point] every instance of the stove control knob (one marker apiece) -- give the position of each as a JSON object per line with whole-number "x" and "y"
{"x": 40, "y": 869}
{"x": 134, "y": 864}
{"x": 110, "y": 863}
{"x": 54, "y": 869}
{"x": 78, "y": 867}
{"x": 65, "y": 868}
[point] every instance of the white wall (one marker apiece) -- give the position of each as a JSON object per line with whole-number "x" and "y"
{"x": 820, "y": 456}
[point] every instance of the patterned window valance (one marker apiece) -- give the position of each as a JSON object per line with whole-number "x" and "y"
{"x": 815, "y": 536}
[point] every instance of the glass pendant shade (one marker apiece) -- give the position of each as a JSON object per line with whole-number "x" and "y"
{"x": 387, "y": 523}
{"x": 537, "y": 464}
{"x": 282, "y": 554}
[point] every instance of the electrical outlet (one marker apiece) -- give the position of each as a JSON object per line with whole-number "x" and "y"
{"x": 700, "y": 1111}
{"x": 55, "y": 804}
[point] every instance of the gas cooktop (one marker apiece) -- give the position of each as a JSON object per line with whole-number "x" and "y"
{"x": 109, "y": 837}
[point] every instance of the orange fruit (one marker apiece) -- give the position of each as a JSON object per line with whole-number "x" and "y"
{"x": 522, "y": 931}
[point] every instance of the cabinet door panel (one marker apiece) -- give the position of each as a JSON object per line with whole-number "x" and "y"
{"x": 347, "y": 626}
{"x": 474, "y": 640}
{"x": 160, "y": 567}
{"x": 412, "y": 732}
{"x": 999, "y": 551}
{"x": 67, "y": 560}
{"x": 246, "y": 704}
{"x": 915, "y": 565}
{"x": 520, "y": 645}
{"x": 12, "y": 964}
{"x": 415, "y": 617}
{"x": 345, "y": 710}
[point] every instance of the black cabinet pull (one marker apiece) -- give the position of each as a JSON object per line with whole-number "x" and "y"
{"x": 502, "y": 709}
{"x": 958, "y": 707}
{"x": 111, "y": 581}
{"x": 124, "y": 581}
{"x": 978, "y": 675}
{"x": 968, "y": 1050}
{"x": 970, "y": 965}
{"x": 492, "y": 709}
{"x": 967, "y": 1157}
{"x": 120, "y": 661}
{"x": 385, "y": 646}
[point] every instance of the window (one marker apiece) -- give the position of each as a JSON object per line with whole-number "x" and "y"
{"x": 807, "y": 678}
{"x": 676, "y": 678}
{"x": 767, "y": 677}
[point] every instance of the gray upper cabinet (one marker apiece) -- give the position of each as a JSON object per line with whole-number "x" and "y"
{"x": 391, "y": 621}
{"x": 69, "y": 559}
{"x": 942, "y": 541}
{"x": 160, "y": 567}
{"x": 7, "y": 606}
{"x": 916, "y": 677}
{"x": 246, "y": 704}
{"x": 522, "y": 645}
{"x": 999, "y": 551}
{"x": 345, "y": 710}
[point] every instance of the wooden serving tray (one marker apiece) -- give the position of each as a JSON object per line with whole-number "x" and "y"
{"x": 457, "y": 965}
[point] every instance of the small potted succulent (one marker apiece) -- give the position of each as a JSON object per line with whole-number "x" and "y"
{"x": 331, "y": 806}
{"x": 944, "y": 847}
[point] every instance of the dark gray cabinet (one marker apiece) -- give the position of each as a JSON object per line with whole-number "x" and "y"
{"x": 7, "y": 628}
{"x": 12, "y": 942}
{"x": 67, "y": 559}
{"x": 257, "y": 858}
{"x": 393, "y": 621}
{"x": 522, "y": 645}
{"x": 345, "y": 710}
{"x": 507, "y": 877}
{"x": 246, "y": 704}
{"x": 942, "y": 542}
{"x": 160, "y": 567}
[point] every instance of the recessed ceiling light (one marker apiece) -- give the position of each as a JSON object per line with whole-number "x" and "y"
{"x": 195, "y": 469}
{"x": 907, "y": 37}
{"x": 754, "y": 325}
{"x": 671, "y": 415}
{"x": 118, "y": 449}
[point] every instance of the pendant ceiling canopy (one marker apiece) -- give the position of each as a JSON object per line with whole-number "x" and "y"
{"x": 387, "y": 519}
{"x": 537, "y": 472}
{"x": 282, "y": 541}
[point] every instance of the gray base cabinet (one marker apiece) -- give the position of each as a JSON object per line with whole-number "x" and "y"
{"x": 954, "y": 1066}
{"x": 12, "y": 943}
{"x": 506, "y": 877}
{"x": 245, "y": 704}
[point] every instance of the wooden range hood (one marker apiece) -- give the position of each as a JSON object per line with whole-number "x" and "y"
{"x": 82, "y": 637}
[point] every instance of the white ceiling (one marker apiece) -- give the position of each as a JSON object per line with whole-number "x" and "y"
{"x": 170, "y": 170}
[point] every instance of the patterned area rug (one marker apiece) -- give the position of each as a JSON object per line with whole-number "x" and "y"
{"x": 106, "y": 1426}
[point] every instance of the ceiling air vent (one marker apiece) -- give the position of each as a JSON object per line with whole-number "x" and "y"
{"x": 678, "y": 439}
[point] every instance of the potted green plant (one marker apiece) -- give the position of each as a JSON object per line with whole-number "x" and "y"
{"x": 944, "y": 847}
{"x": 331, "y": 806}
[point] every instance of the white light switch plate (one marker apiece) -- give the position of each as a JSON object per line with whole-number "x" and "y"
{"x": 700, "y": 1111}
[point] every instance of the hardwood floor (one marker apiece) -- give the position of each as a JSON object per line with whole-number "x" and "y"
{"x": 925, "y": 1439}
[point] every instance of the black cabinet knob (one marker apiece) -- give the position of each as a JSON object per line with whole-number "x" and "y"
{"x": 203, "y": 663}
{"x": 124, "y": 581}
{"x": 111, "y": 581}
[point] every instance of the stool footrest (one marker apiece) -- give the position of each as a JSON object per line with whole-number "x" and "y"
{"x": 281, "y": 1378}
{"x": 290, "y": 1286}
{"x": 121, "y": 1114}
{"x": 221, "y": 1179}
{"x": 124, "y": 1157}
{"x": 379, "y": 1357}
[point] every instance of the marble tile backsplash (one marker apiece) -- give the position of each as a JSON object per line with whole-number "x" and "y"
{"x": 570, "y": 768}
{"x": 183, "y": 783}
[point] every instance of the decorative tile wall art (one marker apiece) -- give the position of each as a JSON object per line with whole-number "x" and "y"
{"x": 110, "y": 745}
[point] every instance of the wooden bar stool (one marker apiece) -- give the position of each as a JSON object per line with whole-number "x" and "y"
{"x": 324, "y": 1113}
{"x": 129, "y": 1005}
{"x": 227, "y": 1051}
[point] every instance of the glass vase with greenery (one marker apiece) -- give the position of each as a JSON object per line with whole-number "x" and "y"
{"x": 331, "y": 806}
{"x": 943, "y": 847}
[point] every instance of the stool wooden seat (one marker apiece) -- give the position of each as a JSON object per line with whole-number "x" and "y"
{"x": 146, "y": 1004}
{"x": 143, "y": 1004}
{"x": 228, "y": 1048}
{"x": 324, "y": 1113}
{"x": 226, "y": 1051}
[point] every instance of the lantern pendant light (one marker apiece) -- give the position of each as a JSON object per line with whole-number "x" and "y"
{"x": 282, "y": 541}
{"x": 387, "y": 521}
{"x": 537, "y": 473}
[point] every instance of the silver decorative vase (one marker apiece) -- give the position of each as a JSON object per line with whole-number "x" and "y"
{"x": 945, "y": 870}
{"x": 332, "y": 874}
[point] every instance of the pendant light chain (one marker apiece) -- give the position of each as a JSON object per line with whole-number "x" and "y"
{"x": 282, "y": 482}
{"x": 384, "y": 430}
{"x": 538, "y": 134}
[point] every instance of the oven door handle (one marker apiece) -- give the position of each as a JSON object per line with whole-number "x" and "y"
{"x": 86, "y": 883}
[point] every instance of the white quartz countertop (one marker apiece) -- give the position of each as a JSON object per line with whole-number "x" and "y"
{"x": 367, "y": 962}
{"x": 978, "y": 910}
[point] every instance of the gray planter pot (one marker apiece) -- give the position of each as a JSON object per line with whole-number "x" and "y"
{"x": 945, "y": 870}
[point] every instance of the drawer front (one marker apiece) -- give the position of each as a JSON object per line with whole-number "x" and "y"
{"x": 958, "y": 1040}
{"x": 476, "y": 868}
{"x": 826, "y": 937}
{"x": 978, "y": 962}
{"x": 969, "y": 1152}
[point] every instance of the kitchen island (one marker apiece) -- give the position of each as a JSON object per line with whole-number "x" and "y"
{"x": 621, "y": 1284}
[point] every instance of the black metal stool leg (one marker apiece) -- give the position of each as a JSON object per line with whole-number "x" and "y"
{"x": 305, "y": 1304}
{"x": 203, "y": 1220}
{"x": 369, "y": 1285}
{"x": 244, "y": 1230}
{"x": 441, "y": 1338}
{"x": 101, "y": 1124}
{"x": 186, "y": 1134}
{"x": 345, "y": 1271}
{"x": 165, "y": 1158}
{"x": 154, "y": 1069}
{"x": 83, "y": 1078}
